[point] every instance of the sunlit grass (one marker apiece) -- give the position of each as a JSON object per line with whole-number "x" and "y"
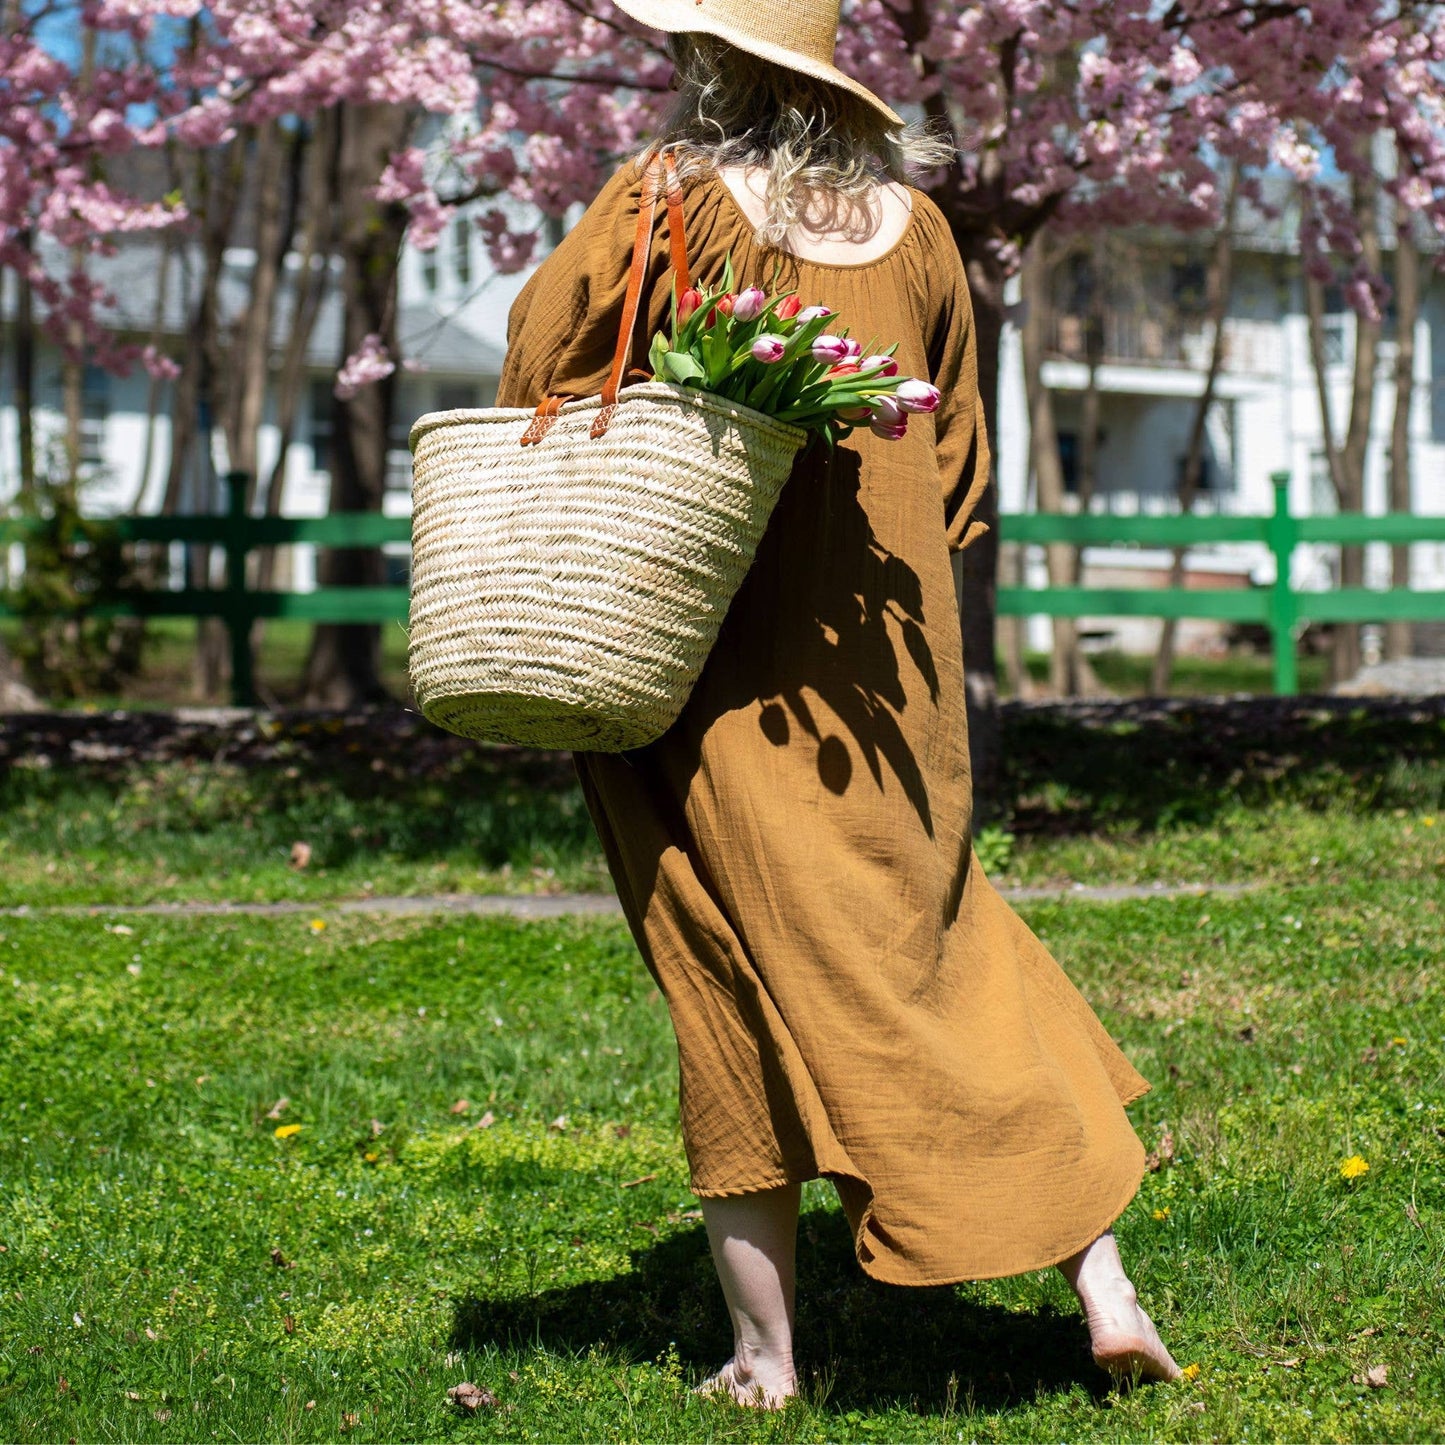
{"x": 487, "y": 1184}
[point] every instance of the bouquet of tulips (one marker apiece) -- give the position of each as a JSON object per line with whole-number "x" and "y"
{"x": 790, "y": 361}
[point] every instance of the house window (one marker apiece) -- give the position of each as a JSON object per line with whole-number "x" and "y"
{"x": 1336, "y": 324}
{"x": 95, "y": 411}
{"x": 407, "y": 406}
{"x": 462, "y": 250}
{"x": 457, "y": 395}
{"x": 323, "y": 426}
{"x": 1069, "y": 461}
{"x": 1189, "y": 287}
{"x": 429, "y": 270}
{"x": 1211, "y": 476}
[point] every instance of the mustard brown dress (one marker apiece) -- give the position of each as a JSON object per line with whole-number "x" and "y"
{"x": 852, "y": 999}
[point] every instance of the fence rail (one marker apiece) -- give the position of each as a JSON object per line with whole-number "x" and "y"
{"x": 1278, "y": 607}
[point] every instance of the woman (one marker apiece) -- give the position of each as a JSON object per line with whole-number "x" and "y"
{"x": 851, "y": 998}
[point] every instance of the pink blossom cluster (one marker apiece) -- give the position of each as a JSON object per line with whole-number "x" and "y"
{"x": 1091, "y": 113}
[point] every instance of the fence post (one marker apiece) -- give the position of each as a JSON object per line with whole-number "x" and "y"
{"x": 238, "y": 612}
{"x": 1283, "y": 609}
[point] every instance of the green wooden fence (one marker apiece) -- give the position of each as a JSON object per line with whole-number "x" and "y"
{"x": 1279, "y": 607}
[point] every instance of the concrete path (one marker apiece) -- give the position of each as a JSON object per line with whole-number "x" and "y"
{"x": 553, "y": 905}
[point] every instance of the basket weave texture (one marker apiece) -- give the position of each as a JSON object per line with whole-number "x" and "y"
{"x": 567, "y": 594}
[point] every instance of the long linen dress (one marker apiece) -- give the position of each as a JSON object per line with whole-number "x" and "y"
{"x": 851, "y": 997}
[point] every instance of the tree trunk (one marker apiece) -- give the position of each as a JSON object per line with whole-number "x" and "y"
{"x": 248, "y": 356}
{"x": 14, "y": 695}
{"x": 344, "y": 665}
{"x": 156, "y": 387}
{"x": 25, "y": 368}
{"x": 1044, "y": 454}
{"x": 312, "y": 274}
{"x": 1407, "y": 314}
{"x": 1220, "y": 281}
{"x": 1076, "y": 671}
{"x": 976, "y": 567}
{"x": 1347, "y": 461}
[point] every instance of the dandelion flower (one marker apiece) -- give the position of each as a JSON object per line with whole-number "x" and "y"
{"x": 1353, "y": 1167}
{"x": 285, "y": 1131}
{"x": 318, "y": 925}
{"x": 1162, "y": 1213}
{"x": 1190, "y": 1372}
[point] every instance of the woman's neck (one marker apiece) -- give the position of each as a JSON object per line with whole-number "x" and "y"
{"x": 831, "y": 229}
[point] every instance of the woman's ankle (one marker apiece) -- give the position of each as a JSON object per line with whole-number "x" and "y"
{"x": 769, "y": 1362}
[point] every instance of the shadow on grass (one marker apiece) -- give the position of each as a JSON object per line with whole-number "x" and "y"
{"x": 383, "y": 782}
{"x": 870, "y": 1345}
{"x": 1073, "y": 768}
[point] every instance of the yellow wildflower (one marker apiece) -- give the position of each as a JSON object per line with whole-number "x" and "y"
{"x": 371, "y": 1158}
{"x": 1353, "y": 1167}
{"x": 1428, "y": 822}
{"x": 318, "y": 925}
{"x": 1399, "y": 1042}
{"x": 285, "y": 1131}
{"x": 1190, "y": 1372}
{"x": 1162, "y": 1213}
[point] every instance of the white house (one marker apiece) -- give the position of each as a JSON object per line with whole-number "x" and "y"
{"x": 1265, "y": 418}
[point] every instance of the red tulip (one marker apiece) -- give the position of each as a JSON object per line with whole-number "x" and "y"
{"x": 844, "y": 368}
{"x": 788, "y": 307}
{"x": 687, "y": 303}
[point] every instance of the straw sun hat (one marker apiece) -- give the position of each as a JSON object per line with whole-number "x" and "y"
{"x": 798, "y": 34}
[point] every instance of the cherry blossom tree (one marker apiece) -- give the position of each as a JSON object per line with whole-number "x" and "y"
{"x": 1074, "y": 113}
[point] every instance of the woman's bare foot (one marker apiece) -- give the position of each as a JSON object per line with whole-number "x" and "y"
{"x": 1124, "y": 1339}
{"x": 767, "y": 1387}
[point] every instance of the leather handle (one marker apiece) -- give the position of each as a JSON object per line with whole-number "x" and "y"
{"x": 641, "y": 249}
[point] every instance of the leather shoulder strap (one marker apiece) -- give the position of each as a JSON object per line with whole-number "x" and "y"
{"x": 641, "y": 249}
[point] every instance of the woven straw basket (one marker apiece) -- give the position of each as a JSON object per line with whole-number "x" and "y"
{"x": 571, "y": 566}
{"x": 567, "y": 594}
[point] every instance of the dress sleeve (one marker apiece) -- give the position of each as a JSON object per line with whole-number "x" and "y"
{"x": 962, "y": 434}
{"x": 562, "y": 329}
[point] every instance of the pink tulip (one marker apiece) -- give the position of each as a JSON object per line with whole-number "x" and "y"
{"x": 887, "y": 411}
{"x": 916, "y": 395}
{"x": 749, "y": 305}
{"x": 888, "y": 366}
{"x": 788, "y": 307}
{"x": 811, "y": 313}
{"x": 887, "y": 432}
{"x": 854, "y": 350}
{"x": 768, "y": 348}
{"x": 687, "y": 303}
{"x": 829, "y": 348}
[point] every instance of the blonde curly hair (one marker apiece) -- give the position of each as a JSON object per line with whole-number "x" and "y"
{"x": 819, "y": 143}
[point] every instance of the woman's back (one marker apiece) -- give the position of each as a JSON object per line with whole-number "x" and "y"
{"x": 827, "y": 232}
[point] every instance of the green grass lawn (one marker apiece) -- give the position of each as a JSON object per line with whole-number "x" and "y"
{"x": 1199, "y": 793}
{"x": 172, "y": 1270}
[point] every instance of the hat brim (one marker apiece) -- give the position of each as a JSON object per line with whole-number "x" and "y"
{"x": 677, "y": 16}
